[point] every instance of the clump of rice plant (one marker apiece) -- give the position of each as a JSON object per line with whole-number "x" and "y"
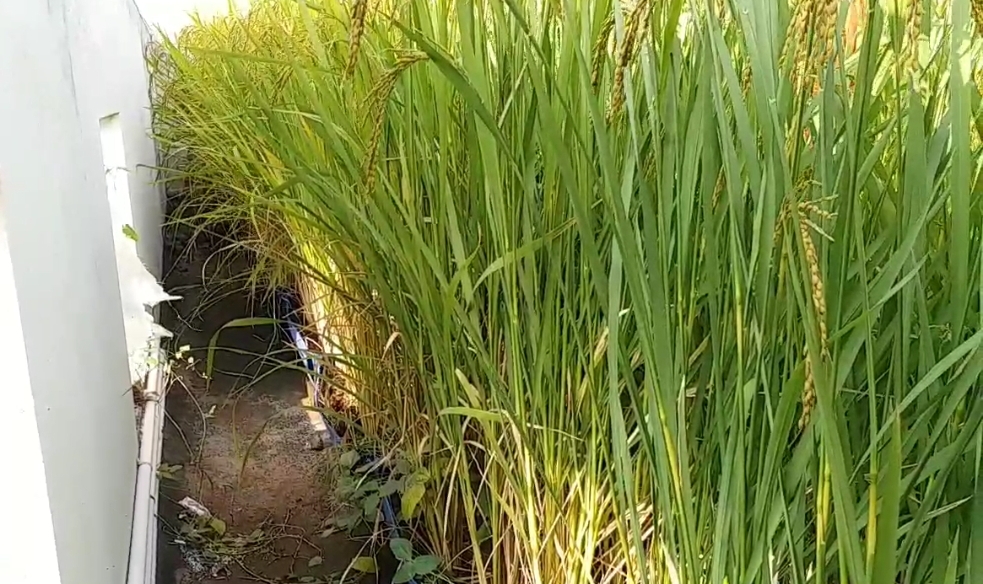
{"x": 224, "y": 177}
{"x": 656, "y": 292}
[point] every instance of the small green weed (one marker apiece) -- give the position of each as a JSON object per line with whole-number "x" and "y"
{"x": 362, "y": 488}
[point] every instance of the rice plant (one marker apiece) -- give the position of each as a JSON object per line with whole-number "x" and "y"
{"x": 673, "y": 292}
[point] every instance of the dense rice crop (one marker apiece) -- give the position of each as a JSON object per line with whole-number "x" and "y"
{"x": 671, "y": 292}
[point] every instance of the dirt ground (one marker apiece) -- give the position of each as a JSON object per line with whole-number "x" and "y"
{"x": 241, "y": 441}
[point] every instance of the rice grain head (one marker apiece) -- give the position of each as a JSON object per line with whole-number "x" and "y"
{"x": 808, "y": 393}
{"x": 809, "y": 207}
{"x": 830, "y": 14}
{"x": 795, "y": 50}
{"x": 600, "y": 51}
{"x": 818, "y": 291}
{"x": 746, "y": 79}
{"x": 378, "y": 97}
{"x": 977, "y": 6}
{"x": 625, "y": 56}
{"x": 913, "y": 31}
{"x": 818, "y": 295}
{"x": 359, "y": 9}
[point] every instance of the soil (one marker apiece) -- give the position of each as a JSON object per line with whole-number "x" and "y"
{"x": 241, "y": 439}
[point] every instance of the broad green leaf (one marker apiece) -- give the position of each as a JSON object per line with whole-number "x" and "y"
{"x": 471, "y": 413}
{"x": 412, "y": 495}
{"x": 401, "y": 548}
{"x": 403, "y": 574}
{"x": 423, "y": 565}
{"x": 370, "y": 505}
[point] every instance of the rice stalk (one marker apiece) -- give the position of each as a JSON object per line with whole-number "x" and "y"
{"x": 610, "y": 319}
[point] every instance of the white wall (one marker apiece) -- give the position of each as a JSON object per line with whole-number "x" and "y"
{"x": 106, "y": 43}
{"x": 67, "y": 432}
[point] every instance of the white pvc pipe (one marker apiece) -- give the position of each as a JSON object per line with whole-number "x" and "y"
{"x": 143, "y": 536}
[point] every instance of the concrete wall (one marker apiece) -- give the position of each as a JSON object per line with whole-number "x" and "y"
{"x": 67, "y": 431}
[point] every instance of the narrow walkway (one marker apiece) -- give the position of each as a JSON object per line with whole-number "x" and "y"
{"x": 270, "y": 508}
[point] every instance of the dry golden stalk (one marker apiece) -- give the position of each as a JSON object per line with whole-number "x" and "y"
{"x": 600, "y": 50}
{"x": 978, "y": 15}
{"x": 358, "y": 30}
{"x": 378, "y": 97}
{"x": 625, "y": 56}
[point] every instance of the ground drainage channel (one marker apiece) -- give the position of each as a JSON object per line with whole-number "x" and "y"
{"x": 270, "y": 511}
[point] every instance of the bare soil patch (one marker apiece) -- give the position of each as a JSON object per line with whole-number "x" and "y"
{"x": 241, "y": 441}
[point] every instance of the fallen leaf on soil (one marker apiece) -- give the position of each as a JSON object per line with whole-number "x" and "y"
{"x": 364, "y": 564}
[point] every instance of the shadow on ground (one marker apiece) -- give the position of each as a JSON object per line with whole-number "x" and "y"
{"x": 272, "y": 506}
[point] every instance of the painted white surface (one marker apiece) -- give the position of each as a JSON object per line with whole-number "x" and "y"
{"x": 32, "y": 545}
{"x": 67, "y": 430}
{"x": 138, "y": 288}
{"x": 113, "y": 148}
